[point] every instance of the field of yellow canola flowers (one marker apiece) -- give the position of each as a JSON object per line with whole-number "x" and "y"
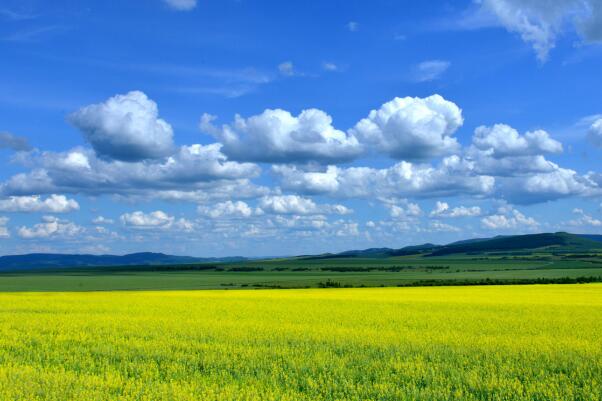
{"x": 444, "y": 343}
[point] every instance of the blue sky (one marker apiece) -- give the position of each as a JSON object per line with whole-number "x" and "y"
{"x": 234, "y": 127}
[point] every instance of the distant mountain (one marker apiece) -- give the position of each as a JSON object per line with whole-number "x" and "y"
{"x": 559, "y": 240}
{"x": 374, "y": 252}
{"x": 552, "y": 241}
{"x": 593, "y": 237}
{"x": 44, "y": 261}
{"x": 546, "y": 242}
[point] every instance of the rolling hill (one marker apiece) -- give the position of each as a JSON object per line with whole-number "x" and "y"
{"x": 560, "y": 243}
{"x": 49, "y": 260}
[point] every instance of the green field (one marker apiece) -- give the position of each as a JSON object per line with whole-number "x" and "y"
{"x": 300, "y": 273}
{"x": 522, "y": 259}
{"x": 531, "y": 342}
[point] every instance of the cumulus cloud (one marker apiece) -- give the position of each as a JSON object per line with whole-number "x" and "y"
{"x": 510, "y": 166}
{"x": 279, "y": 137}
{"x": 539, "y": 23}
{"x": 50, "y": 227}
{"x": 404, "y": 211}
{"x": 442, "y": 209}
{"x": 13, "y": 142}
{"x": 157, "y": 220}
{"x": 353, "y": 26}
{"x": 412, "y": 128}
{"x": 560, "y": 183}
{"x": 502, "y": 140}
{"x": 429, "y": 70}
{"x": 594, "y": 134}
{"x": 80, "y": 171}
{"x": 102, "y": 220}
{"x": 226, "y": 209}
{"x": 213, "y": 192}
{"x": 404, "y": 179}
{"x": 4, "y": 233}
{"x": 506, "y": 218}
{"x": 501, "y": 151}
{"x": 154, "y": 219}
{"x": 28, "y": 204}
{"x": 348, "y": 230}
{"x": 294, "y": 204}
{"x": 125, "y": 127}
{"x": 181, "y": 5}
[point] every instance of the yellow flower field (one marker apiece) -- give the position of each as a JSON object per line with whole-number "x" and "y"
{"x": 444, "y": 343}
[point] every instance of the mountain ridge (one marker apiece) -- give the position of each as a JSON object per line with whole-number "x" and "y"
{"x": 56, "y": 260}
{"x": 560, "y": 241}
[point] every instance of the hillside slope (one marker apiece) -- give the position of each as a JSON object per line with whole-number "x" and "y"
{"x": 49, "y": 260}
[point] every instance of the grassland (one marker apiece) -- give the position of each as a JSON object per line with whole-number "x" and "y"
{"x": 442, "y": 343}
{"x": 307, "y": 272}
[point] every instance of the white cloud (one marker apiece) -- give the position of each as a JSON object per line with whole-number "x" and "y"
{"x": 155, "y": 220}
{"x": 80, "y": 171}
{"x": 226, "y": 209}
{"x": 583, "y": 219}
{"x": 400, "y": 212}
{"x": 310, "y": 182}
{"x": 442, "y": 209}
{"x": 287, "y": 68}
{"x": 140, "y": 219}
{"x": 560, "y": 183}
{"x": 437, "y": 226}
{"x": 294, "y": 204}
{"x": 508, "y": 218}
{"x": 212, "y": 192}
{"x": 279, "y": 137}
{"x": 49, "y": 228}
{"x": 539, "y": 23}
{"x": 288, "y": 204}
{"x": 429, "y": 70}
{"x": 125, "y": 127}
{"x": 4, "y": 233}
{"x": 330, "y": 66}
{"x": 510, "y": 166}
{"x": 348, "y": 230}
{"x": 181, "y": 5}
{"x": 52, "y": 204}
{"x": 463, "y": 211}
{"x": 102, "y": 220}
{"x": 353, "y": 26}
{"x": 412, "y": 128}
{"x": 452, "y": 177}
{"x": 501, "y": 151}
{"x": 13, "y": 142}
{"x": 595, "y": 133}
{"x": 401, "y": 209}
{"x": 183, "y": 224}
{"x": 502, "y": 140}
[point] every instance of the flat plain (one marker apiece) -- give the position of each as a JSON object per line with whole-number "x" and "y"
{"x": 301, "y": 273}
{"x": 530, "y": 342}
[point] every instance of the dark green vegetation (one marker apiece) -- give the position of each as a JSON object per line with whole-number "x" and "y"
{"x": 39, "y": 261}
{"x": 538, "y": 258}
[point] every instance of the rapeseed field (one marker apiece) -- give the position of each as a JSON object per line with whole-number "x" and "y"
{"x": 445, "y": 343}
